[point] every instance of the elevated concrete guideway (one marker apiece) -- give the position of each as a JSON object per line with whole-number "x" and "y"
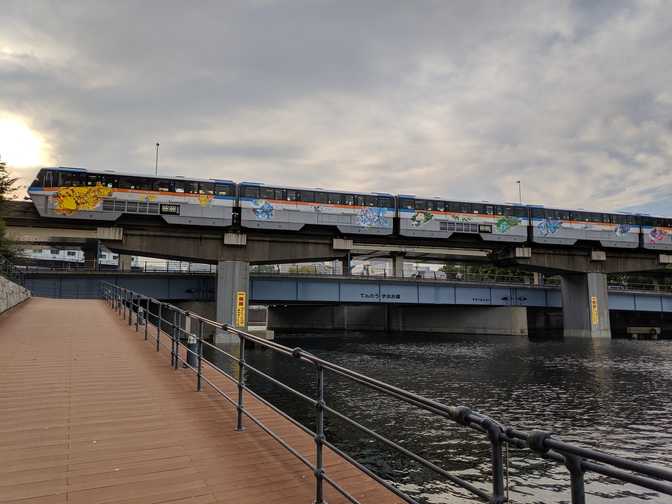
{"x": 582, "y": 268}
{"x": 93, "y": 414}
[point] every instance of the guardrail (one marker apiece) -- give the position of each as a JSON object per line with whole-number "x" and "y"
{"x": 577, "y": 459}
{"x": 10, "y": 271}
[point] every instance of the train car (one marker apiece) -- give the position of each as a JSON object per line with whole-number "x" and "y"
{"x": 76, "y": 193}
{"x": 291, "y": 208}
{"x": 656, "y": 232}
{"x": 437, "y": 218}
{"x": 565, "y": 227}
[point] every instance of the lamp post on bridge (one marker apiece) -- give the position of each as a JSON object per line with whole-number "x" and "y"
{"x": 520, "y": 191}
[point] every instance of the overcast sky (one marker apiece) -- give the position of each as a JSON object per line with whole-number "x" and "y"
{"x": 446, "y": 98}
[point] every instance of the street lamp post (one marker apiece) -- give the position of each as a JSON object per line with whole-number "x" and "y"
{"x": 520, "y": 191}
{"x": 156, "y": 165}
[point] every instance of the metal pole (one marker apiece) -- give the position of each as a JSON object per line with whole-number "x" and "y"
{"x": 130, "y": 308}
{"x": 200, "y": 355}
{"x": 156, "y": 165}
{"x": 241, "y": 384}
{"x": 497, "y": 461}
{"x": 158, "y": 326}
{"x": 172, "y": 343}
{"x": 319, "y": 438}
{"x": 520, "y": 192}
{"x": 146, "y": 318}
{"x": 137, "y": 314}
{"x": 576, "y": 471}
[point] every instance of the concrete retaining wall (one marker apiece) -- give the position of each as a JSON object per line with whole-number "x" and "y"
{"x": 11, "y": 294}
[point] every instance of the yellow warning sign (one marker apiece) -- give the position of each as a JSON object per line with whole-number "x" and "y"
{"x": 241, "y": 311}
{"x": 594, "y": 315}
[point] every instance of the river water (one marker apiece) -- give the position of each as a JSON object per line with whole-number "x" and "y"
{"x": 614, "y": 395}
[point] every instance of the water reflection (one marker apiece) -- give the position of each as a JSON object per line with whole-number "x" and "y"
{"x": 612, "y": 395}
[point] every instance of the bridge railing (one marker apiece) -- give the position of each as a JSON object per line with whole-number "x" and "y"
{"x": 171, "y": 322}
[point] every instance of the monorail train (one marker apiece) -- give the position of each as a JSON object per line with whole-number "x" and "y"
{"x": 83, "y": 194}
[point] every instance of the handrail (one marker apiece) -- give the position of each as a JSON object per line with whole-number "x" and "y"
{"x": 10, "y": 271}
{"x": 577, "y": 459}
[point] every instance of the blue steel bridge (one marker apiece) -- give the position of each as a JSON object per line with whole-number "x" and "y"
{"x": 285, "y": 288}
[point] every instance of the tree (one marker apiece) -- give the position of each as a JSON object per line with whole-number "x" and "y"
{"x": 7, "y": 187}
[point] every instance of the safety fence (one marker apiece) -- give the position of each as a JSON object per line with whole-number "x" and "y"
{"x": 184, "y": 333}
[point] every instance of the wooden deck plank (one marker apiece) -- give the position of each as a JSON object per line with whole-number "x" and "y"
{"x": 91, "y": 413}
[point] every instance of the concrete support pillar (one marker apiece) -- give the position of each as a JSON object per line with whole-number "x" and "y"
{"x": 398, "y": 265}
{"x": 346, "y": 265}
{"x": 91, "y": 256}
{"x": 585, "y": 305}
{"x": 233, "y": 281}
{"x": 125, "y": 262}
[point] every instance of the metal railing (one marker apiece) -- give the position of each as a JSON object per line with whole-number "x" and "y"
{"x": 10, "y": 271}
{"x": 190, "y": 326}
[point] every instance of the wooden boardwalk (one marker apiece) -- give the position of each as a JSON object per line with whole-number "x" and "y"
{"x": 91, "y": 413}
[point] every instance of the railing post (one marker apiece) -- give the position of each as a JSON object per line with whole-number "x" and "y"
{"x": 319, "y": 437}
{"x": 576, "y": 472}
{"x": 158, "y": 326}
{"x": 130, "y": 308}
{"x": 241, "y": 384}
{"x": 497, "y": 460}
{"x": 173, "y": 350}
{"x": 137, "y": 314}
{"x": 146, "y": 318}
{"x": 200, "y": 355}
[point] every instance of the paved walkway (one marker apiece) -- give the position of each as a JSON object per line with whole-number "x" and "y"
{"x": 90, "y": 413}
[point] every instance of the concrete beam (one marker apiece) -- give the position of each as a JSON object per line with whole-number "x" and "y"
{"x": 212, "y": 247}
{"x": 66, "y": 236}
{"x": 583, "y": 260}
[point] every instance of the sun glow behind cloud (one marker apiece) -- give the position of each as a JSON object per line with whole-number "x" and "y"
{"x": 20, "y": 145}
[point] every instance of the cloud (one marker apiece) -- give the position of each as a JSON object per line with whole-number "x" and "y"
{"x": 457, "y": 99}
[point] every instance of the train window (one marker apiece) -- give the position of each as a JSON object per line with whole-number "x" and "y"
{"x": 439, "y": 206}
{"x": 407, "y": 203}
{"x": 489, "y": 209}
{"x": 308, "y": 196}
{"x": 280, "y": 194}
{"x": 370, "y": 201}
{"x": 191, "y": 187}
{"x": 536, "y": 212}
{"x": 179, "y": 186}
{"x": 64, "y": 179}
{"x": 162, "y": 185}
{"x": 349, "y": 199}
{"x": 477, "y": 208}
{"x": 206, "y": 188}
{"x": 267, "y": 193}
{"x": 465, "y": 207}
{"x": 250, "y": 192}
{"x": 144, "y": 183}
{"x": 321, "y": 197}
{"x": 421, "y": 204}
{"x": 292, "y": 195}
{"x": 334, "y": 198}
{"x": 385, "y": 202}
{"x": 224, "y": 189}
